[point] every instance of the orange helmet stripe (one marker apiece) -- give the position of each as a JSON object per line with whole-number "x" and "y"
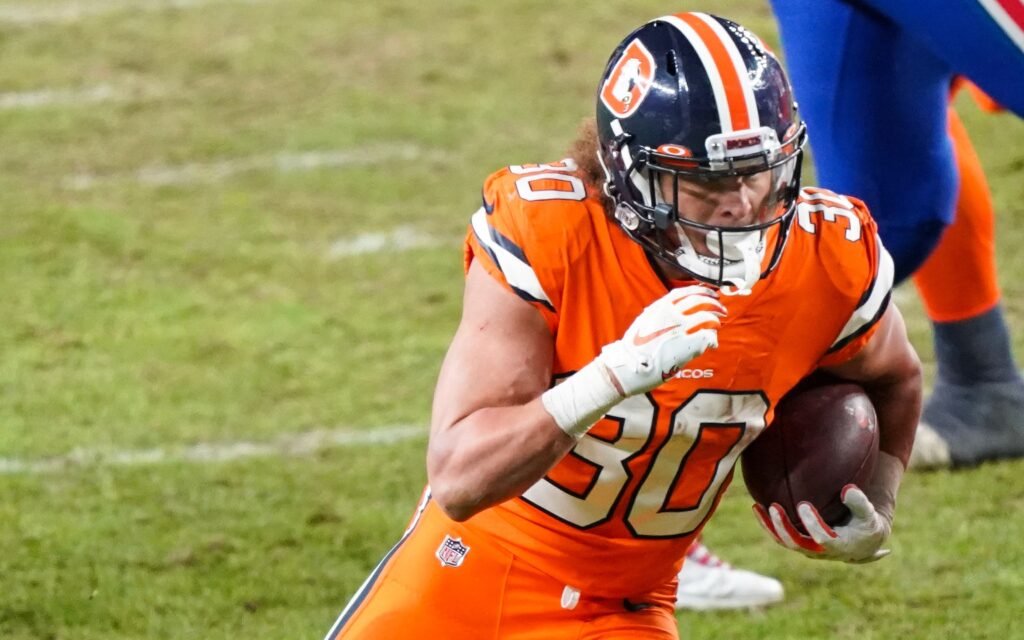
{"x": 725, "y": 69}
{"x": 724, "y": 66}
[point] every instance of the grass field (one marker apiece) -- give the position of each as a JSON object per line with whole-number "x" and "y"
{"x": 238, "y": 221}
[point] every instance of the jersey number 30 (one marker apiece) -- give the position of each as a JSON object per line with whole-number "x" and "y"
{"x": 674, "y": 492}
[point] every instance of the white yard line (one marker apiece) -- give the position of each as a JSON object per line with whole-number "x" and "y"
{"x": 43, "y": 98}
{"x": 403, "y": 238}
{"x": 219, "y": 170}
{"x": 295, "y": 445}
{"x": 54, "y": 97}
{"x": 28, "y": 14}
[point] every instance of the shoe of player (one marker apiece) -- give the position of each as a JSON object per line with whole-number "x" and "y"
{"x": 962, "y": 426}
{"x": 707, "y": 582}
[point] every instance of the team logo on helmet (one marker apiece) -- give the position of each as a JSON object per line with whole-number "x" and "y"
{"x": 629, "y": 80}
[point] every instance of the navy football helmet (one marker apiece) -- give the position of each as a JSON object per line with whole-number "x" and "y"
{"x": 695, "y": 97}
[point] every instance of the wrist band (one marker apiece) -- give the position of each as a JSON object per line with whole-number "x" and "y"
{"x": 581, "y": 400}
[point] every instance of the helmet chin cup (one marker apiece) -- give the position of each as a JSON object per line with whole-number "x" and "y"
{"x": 735, "y": 267}
{"x": 751, "y": 252}
{"x": 735, "y": 289}
{"x": 734, "y": 250}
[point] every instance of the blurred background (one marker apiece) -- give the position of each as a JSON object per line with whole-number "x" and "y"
{"x": 230, "y": 266}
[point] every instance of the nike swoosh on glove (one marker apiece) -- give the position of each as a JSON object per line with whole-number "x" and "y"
{"x": 669, "y": 333}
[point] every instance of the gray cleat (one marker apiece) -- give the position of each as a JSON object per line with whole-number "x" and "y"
{"x": 962, "y": 426}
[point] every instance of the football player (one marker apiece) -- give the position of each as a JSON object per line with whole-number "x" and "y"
{"x": 632, "y": 315}
{"x": 872, "y": 78}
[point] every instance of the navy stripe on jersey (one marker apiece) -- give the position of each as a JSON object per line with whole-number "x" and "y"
{"x": 864, "y": 328}
{"x": 511, "y": 260}
{"x": 525, "y": 295}
{"x": 872, "y": 303}
{"x": 360, "y": 596}
{"x": 509, "y": 246}
{"x": 488, "y": 206}
{"x": 867, "y": 292}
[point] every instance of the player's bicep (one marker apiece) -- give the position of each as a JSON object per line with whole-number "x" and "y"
{"x": 500, "y": 356}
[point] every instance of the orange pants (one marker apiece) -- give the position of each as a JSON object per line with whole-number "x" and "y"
{"x": 481, "y": 592}
{"x": 959, "y": 280}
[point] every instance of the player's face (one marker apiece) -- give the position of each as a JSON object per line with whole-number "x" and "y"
{"x": 734, "y": 201}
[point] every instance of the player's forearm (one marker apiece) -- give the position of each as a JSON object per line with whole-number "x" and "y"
{"x": 897, "y": 401}
{"x": 884, "y": 485}
{"x": 890, "y": 372}
{"x": 492, "y": 455}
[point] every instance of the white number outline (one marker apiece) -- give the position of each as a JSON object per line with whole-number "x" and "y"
{"x": 642, "y": 518}
{"x": 637, "y": 417}
{"x": 832, "y": 207}
{"x": 554, "y": 172}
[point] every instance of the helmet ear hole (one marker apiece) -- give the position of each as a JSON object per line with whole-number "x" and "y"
{"x": 670, "y": 63}
{"x": 664, "y": 216}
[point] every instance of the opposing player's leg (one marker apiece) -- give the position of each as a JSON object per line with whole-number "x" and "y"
{"x": 875, "y": 102}
{"x": 980, "y": 39}
{"x": 959, "y": 281}
{"x": 975, "y": 411}
{"x": 707, "y": 582}
{"x": 874, "y": 94}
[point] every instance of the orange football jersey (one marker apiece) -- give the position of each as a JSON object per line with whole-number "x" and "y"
{"x": 616, "y": 515}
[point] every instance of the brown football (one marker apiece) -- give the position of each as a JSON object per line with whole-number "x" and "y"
{"x": 823, "y": 437}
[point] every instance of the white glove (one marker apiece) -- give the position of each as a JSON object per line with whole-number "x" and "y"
{"x": 670, "y": 332}
{"x": 858, "y": 541}
{"x": 673, "y": 330}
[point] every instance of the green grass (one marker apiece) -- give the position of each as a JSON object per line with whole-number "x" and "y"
{"x": 140, "y": 315}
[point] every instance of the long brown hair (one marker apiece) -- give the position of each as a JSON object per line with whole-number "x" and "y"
{"x": 583, "y": 151}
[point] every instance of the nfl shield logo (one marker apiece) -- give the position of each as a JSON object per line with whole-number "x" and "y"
{"x": 452, "y": 552}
